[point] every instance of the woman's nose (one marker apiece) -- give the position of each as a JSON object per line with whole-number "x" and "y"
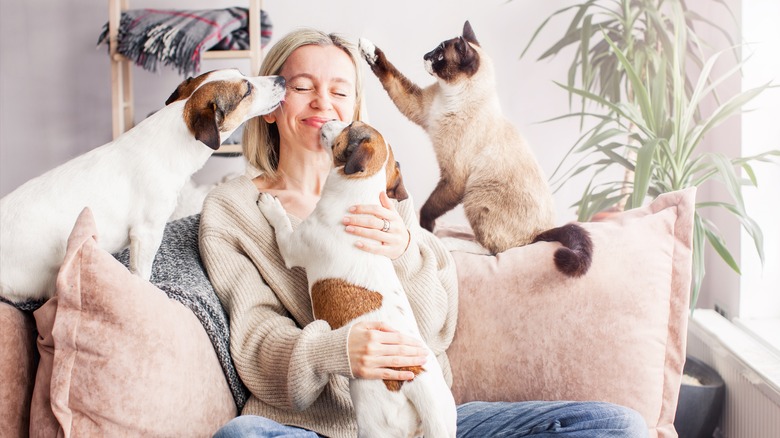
{"x": 321, "y": 100}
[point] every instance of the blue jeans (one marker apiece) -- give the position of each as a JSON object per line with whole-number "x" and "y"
{"x": 494, "y": 419}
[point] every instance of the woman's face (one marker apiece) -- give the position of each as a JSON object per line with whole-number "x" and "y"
{"x": 320, "y": 88}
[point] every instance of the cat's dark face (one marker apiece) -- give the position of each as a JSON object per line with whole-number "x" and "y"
{"x": 454, "y": 58}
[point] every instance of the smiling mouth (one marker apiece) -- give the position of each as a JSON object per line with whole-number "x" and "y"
{"x": 317, "y": 121}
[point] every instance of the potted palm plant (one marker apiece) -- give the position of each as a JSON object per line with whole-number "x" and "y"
{"x": 640, "y": 76}
{"x": 641, "y": 112}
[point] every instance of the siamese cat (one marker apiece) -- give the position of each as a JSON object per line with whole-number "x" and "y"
{"x": 484, "y": 162}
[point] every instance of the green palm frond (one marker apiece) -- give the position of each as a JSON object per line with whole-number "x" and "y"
{"x": 629, "y": 76}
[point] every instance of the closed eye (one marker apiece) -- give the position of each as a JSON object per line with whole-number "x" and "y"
{"x": 300, "y": 89}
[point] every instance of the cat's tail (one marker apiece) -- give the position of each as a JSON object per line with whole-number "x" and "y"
{"x": 576, "y": 255}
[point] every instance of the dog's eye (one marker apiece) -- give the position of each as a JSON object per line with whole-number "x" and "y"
{"x": 249, "y": 87}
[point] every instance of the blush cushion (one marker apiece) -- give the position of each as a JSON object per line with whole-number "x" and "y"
{"x": 17, "y": 369}
{"x": 617, "y": 334}
{"x": 119, "y": 358}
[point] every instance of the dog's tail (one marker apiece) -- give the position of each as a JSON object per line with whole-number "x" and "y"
{"x": 576, "y": 255}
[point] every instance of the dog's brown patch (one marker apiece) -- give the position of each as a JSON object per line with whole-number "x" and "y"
{"x": 395, "y": 385}
{"x": 186, "y": 88}
{"x": 338, "y": 302}
{"x": 212, "y": 108}
{"x": 361, "y": 149}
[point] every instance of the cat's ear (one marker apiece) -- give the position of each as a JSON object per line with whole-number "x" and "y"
{"x": 468, "y": 33}
{"x": 462, "y": 46}
{"x": 467, "y": 53}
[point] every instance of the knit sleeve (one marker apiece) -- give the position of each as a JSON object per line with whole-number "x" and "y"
{"x": 283, "y": 357}
{"x": 427, "y": 272}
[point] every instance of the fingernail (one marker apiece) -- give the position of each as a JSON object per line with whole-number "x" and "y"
{"x": 345, "y": 220}
{"x": 359, "y": 244}
{"x": 408, "y": 376}
{"x": 350, "y": 228}
{"x": 352, "y": 209}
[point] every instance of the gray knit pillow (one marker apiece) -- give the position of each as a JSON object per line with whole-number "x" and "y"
{"x": 179, "y": 272}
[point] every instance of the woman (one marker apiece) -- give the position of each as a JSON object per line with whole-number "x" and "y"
{"x": 296, "y": 368}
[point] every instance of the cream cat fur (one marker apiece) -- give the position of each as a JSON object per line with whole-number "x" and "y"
{"x": 484, "y": 162}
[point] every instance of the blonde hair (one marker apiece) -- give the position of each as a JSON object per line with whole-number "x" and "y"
{"x": 260, "y": 141}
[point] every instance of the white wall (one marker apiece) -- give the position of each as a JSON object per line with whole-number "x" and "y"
{"x": 56, "y": 98}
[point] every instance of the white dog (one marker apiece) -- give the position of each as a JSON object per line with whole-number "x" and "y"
{"x": 131, "y": 184}
{"x": 366, "y": 287}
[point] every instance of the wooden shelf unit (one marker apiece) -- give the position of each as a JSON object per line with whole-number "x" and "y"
{"x": 122, "y": 110}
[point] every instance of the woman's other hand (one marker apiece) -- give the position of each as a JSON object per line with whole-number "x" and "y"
{"x": 375, "y": 349}
{"x": 382, "y": 227}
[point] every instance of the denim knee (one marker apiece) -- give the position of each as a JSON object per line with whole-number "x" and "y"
{"x": 635, "y": 424}
{"x": 620, "y": 420}
{"x": 245, "y": 426}
{"x": 547, "y": 418}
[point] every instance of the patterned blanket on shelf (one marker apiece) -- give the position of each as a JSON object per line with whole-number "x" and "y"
{"x": 150, "y": 37}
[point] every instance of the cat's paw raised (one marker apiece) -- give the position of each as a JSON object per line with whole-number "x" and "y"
{"x": 368, "y": 50}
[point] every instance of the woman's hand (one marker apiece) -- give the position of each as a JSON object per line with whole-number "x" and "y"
{"x": 375, "y": 349}
{"x": 381, "y": 225}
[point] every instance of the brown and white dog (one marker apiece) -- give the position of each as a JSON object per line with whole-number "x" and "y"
{"x": 365, "y": 288}
{"x": 131, "y": 184}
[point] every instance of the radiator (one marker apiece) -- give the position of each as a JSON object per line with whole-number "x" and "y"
{"x": 751, "y": 372}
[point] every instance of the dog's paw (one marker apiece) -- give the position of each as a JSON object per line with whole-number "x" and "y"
{"x": 272, "y": 209}
{"x": 368, "y": 50}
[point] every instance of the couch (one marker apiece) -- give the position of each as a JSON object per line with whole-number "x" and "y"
{"x": 114, "y": 355}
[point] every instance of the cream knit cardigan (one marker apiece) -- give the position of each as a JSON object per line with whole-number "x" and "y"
{"x": 297, "y": 368}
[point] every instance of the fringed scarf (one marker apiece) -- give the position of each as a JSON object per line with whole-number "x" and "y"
{"x": 150, "y": 37}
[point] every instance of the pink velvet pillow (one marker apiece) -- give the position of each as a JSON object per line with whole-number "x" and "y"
{"x": 17, "y": 369}
{"x": 119, "y": 358}
{"x": 617, "y": 334}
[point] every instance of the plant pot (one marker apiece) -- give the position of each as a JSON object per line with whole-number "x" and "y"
{"x": 605, "y": 215}
{"x": 699, "y": 407}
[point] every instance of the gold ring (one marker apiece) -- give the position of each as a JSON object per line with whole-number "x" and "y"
{"x": 385, "y": 225}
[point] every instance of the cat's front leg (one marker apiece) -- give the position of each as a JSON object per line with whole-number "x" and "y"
{"x": 406, "y": 95}
{"x": 276, "y": 215}
{"x": 446, "y": 196}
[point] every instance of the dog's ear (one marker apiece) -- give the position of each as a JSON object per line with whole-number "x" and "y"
{"x": 204, "y": 124}
{"x": 176, "y": 95}
{"x": 185, "y": 89}
{"x": 395, "y": 183}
